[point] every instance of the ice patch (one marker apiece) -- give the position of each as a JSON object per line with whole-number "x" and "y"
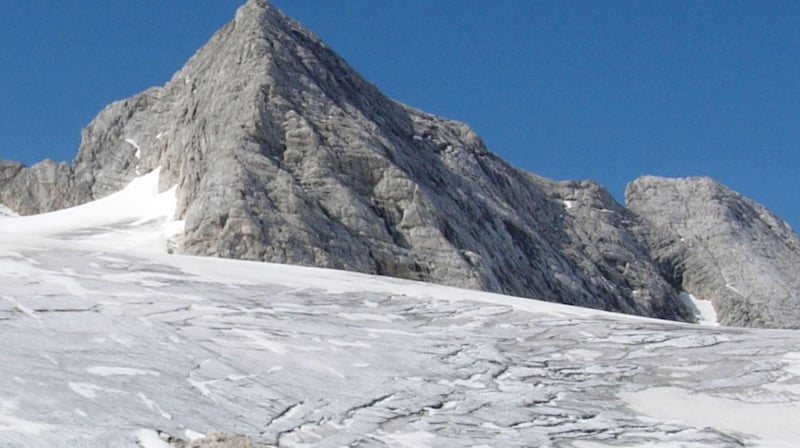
{"x": 733, "y": 288}
{"x": 202, "y": 386}
{"x": 484, "y": 311}
{"x": 6, "y": 212}
{"x": 792, "y": 360}
{"x": 370, "y": 317}
{"x": 11, "y": 423}
{"x": 685, "y": 371}
{"x": 85, "y": 390}
{"x": 126, "y": 371}
{"x": 788, "y": 383}
{"x": 49, "y": 358}
{"x": 703, "y": 310}
{"x": 336, "y": 373}
{"x": 153, "y": 406}
{"x": 419, "y": 439}
{"x": 133, "y": 143}
{"x": 583, "y": 355}
{"x": 357, "y": 344}
{"x": 257, "y": 339}
{"x": 138, "y": 153}
{"x": 22, "y": 308}
{"x": 147, "y": 438}
{"x": 764, "y": 420}
{"x": 568, "y": 204}
{"x": 137, "y": 217}
{"x": 193, "y": 435}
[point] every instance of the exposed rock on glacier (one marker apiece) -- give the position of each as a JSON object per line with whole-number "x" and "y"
{"x": 223, "y": 440}
{"x": 43, "y": 187}
{"x": 720, "y": 246}
{"x": 281, "y": 152}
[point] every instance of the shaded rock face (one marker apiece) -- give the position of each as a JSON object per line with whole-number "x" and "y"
{"x": 282, "y": 153}
{"x": 720, "y": 246}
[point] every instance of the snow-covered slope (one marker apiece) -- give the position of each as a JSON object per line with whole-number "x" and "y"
{"x": 105, "y": 345}
{"x": 138, "y": 217}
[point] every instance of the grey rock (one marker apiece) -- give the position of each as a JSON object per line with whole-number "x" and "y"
{"x": 43, "y": 187}
{"x": 224, "y": 440}
{"x": 721, "y": 246}
{"x": 603, "y": 241}
{"x": 281, "y": 152}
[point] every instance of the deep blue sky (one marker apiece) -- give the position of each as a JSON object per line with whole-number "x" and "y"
{"x": 606, "y": 90}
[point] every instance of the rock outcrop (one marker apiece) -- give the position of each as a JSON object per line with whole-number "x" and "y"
{"x": 720, "y": 246}
{"x": 224, "y": 440}
{"x": 281, "y": 152}
{"x": 43, "y": 187}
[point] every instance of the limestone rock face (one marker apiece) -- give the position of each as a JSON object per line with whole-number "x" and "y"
{"x": 43, "y": 187}
{"x": 282, "y": 153}
{"x": 720, "y": 246}
{"x": 603, "y": 241}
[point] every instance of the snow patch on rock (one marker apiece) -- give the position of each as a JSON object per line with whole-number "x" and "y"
{"x": 138, "y": 217}
{"x": 5, "y": 211}
{"x": 703, "y": 309}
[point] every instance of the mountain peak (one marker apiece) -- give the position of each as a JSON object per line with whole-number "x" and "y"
{"x": 281, "y": 152}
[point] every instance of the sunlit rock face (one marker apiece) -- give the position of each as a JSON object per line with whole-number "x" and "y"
{"x": 720, "y": 246}
{"x": 282, "y": 153}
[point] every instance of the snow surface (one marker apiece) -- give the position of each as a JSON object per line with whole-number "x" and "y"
{"x": 110, "y": 342}
{"x": 138, "y": 217}
{"x": 762, "y": 419}
{"x": 703, "y": 309}
{"x": 133, "y": 143}
{"x": 147, "y": 438}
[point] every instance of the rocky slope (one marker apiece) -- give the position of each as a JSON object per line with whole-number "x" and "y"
{"x": 281, "y": 152}
{"x": 720, "y": 246}
{"x": 43, "y": 187}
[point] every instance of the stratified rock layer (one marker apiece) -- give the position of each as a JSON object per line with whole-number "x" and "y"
{"x": 720, "y": 246}
{"x": 281, "y": 152}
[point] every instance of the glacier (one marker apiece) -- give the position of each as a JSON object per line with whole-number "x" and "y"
{"x": 109, "y": 341}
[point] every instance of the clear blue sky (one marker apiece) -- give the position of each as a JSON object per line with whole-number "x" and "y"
{"x": 606, "y": 90}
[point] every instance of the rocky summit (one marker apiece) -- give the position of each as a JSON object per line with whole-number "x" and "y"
{"x": 281, "y": 152}
{"x": 720, "y": 246}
